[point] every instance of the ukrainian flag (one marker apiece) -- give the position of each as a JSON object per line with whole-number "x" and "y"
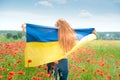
{"x": 42, "y": 44}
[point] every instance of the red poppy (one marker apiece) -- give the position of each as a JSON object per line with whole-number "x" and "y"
{"x": 39, "y": 79}
{"x": 39, "y": 66}
{"x": 29, "y": 61}
{"x": 18, "y": 61}
{"x": 48, "y": 75}
{"x": 34, "y": 78}
{"x": 1, "y": 76}
{"x": 21, "y": 72}
{"x": 42, "y": 73}
{"x": 45, "y": 67}
{"x": 12, "y": 73}
{"x": 53, "y": 67}
{"x": 108, "y": 77}
{"x": 118, "y": 74}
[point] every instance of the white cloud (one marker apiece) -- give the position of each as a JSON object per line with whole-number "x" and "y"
{"x": 50, "y": 3}
{"x": 59, "y": 1}
{"x": 85, "y": 14}
{"x": 44, "y": 3}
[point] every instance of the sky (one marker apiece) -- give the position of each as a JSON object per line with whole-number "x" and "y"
{"x": 103, "y": 15}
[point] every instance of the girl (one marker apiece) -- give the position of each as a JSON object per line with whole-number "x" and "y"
{"x": 66, "y": 39}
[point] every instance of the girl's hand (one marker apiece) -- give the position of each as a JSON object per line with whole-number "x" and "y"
{"x": 23, "y": 27}
{"x": 94, "y": 32}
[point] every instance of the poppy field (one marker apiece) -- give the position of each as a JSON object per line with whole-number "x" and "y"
{"x": 97, "y": 60}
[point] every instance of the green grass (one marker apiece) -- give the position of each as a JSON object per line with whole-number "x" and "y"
{"x": 83, "y": 64}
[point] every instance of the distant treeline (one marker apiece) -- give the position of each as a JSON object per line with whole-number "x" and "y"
{"x": 100, "y": 35}
{"x": 12, "y": 34}
{"x": 108, "y": 35}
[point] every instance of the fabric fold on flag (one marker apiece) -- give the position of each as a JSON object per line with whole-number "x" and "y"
{"x": 42, "y": 45}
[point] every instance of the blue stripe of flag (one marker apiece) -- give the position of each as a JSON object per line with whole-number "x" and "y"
{"x": 40, "y": 33}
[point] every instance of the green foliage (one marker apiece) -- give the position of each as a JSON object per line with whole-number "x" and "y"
{"x": 20, "y": 34}
{"x": 9, "y": 35}
{"x": 2, "y": 39}
{"x": 15, "y": 37}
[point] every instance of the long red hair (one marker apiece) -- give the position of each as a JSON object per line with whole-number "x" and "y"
{"x": 66, "y": 35}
